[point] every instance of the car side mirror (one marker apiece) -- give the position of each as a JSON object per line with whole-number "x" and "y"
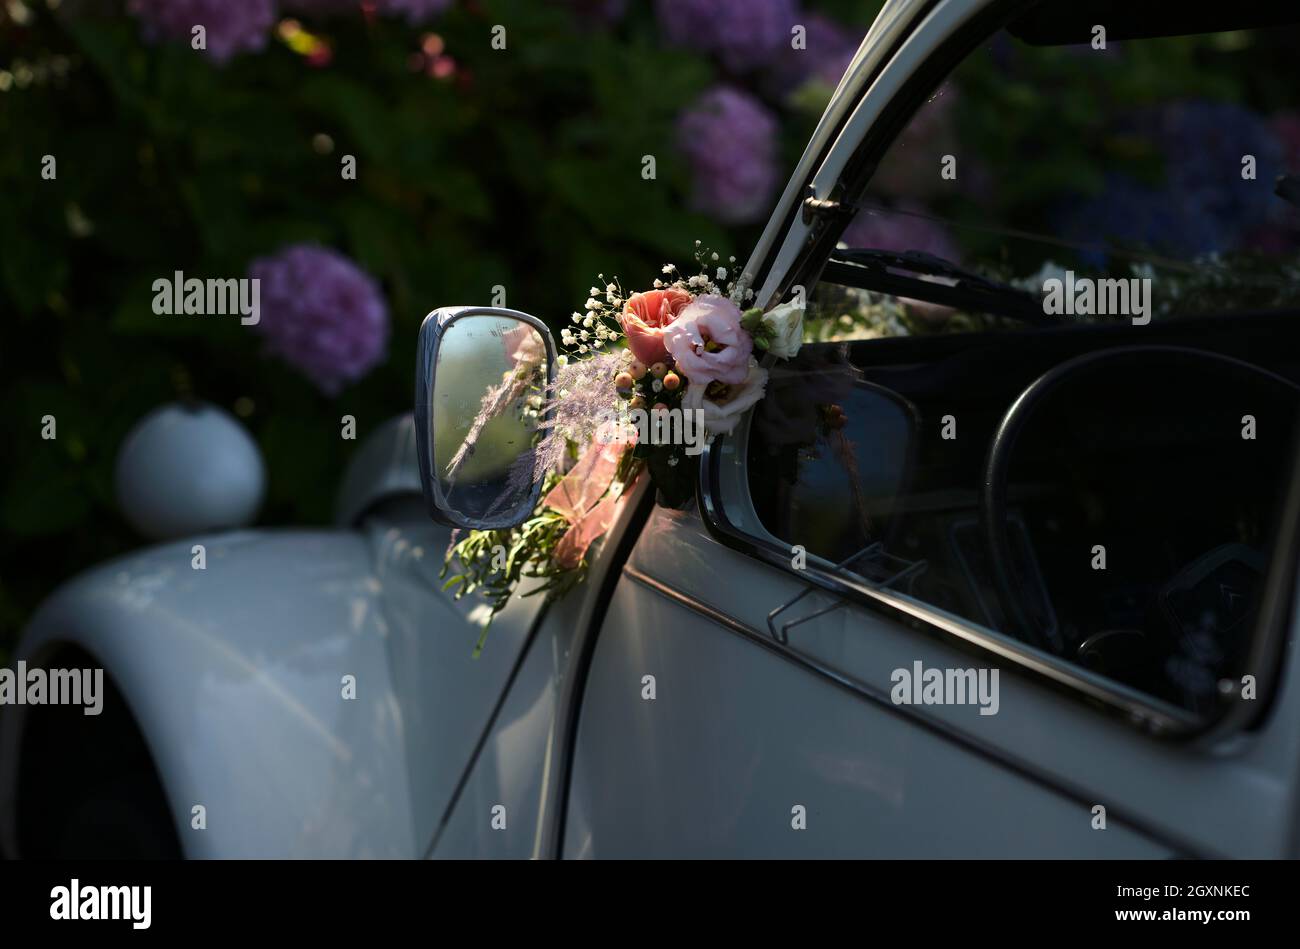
{"x": 481, "y": 383}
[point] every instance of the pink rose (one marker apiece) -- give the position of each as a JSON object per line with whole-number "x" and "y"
{"x": 708, "y": 342}
{"x": 644, "y": 317}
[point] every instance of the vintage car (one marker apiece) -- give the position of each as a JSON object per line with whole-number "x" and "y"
{"x": 1036, "y": 600}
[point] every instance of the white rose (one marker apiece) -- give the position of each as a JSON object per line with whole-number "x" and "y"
{"x": 721, "y": 414}
{"x": 786, "y": 325}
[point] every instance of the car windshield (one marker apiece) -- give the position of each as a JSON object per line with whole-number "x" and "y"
{"x": 1114, "y": 180}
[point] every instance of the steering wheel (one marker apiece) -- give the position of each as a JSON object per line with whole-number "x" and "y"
{"x": 1031, "y": 625}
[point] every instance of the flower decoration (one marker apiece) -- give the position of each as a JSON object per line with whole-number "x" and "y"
{"x": 708, "y": 343}
{"x": 645, "y": 317}
{"x": 723, "y": 403}
{"x": 645, "y": 380}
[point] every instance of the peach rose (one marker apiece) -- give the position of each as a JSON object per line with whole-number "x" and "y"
{"x": 644, "y": 318}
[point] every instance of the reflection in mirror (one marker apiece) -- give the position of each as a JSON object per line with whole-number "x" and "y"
{"x": 489, "y": 382}
{"x": 827, "y": 456}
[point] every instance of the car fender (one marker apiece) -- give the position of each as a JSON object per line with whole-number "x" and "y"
{"x": 235, "y": 674}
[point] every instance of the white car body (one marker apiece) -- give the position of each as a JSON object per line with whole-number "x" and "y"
{"x": 545, "y": 747}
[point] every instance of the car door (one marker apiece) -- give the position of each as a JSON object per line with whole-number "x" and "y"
{"x": 704, "y": 730}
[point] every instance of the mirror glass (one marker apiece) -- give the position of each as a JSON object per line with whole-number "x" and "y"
{"x": 827, "y": 458}
{"x": 489, "y": 380}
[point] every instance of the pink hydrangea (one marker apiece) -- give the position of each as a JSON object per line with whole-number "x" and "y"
{"x": 230, "y": 26}
{"x": 322, "y": 314}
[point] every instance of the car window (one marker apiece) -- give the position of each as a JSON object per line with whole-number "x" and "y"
{"x": 1103, "y": 482}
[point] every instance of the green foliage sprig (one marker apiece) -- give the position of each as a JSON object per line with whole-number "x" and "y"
{"x": 529, "y": 554}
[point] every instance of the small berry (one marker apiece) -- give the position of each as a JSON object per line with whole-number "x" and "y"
{"x": 637, "y": 403}
{"x": 672, "y": 381}
{"x": 623, "y": 380}
{"x": 636, "y": 368}
{"x": 658, "y": 370}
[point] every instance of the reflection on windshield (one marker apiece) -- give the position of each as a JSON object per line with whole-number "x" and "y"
{"x": 1160, "y": 163}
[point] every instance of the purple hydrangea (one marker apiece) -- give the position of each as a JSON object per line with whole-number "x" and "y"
{"x": 415, "y": 11}
{"x": 231, "y": 26}
{"x": 322, "y": 314}
{"x": 729, "y": 138}
{"x": 904, "y": 229}
{"x": 744, "y": 34}
{"x": 828, "y": 50}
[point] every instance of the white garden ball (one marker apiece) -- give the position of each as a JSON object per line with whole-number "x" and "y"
{"x": 187, "y": 469}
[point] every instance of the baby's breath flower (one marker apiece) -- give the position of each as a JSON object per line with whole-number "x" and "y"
{"x": 669, "y": 268}
{"x": 722, "y": 271}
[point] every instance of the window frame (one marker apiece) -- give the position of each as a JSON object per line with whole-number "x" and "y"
{"x": 1263, "y": 657}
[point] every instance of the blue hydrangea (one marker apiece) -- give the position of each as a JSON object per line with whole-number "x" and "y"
{"x": 1203, "y": 205}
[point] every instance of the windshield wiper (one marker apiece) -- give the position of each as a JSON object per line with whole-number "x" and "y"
{"x": 903, "y": 273}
